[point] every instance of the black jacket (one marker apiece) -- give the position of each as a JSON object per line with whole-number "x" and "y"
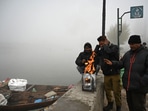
{"x": 82, "y": 55}
{"x": 110, "y": 52}
{"x": 135, "y": 64}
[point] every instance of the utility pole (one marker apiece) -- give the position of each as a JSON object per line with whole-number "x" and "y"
{"x": 103, "y": 17}
{"x": 119, "y": 26}
{"x": 135, "y": 12}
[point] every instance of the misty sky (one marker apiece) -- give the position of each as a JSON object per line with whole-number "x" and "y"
{"x": 40, "y": 39}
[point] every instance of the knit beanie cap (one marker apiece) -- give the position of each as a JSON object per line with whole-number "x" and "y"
{"x": 88, "y": 45}
{"x": 134, "y": 39}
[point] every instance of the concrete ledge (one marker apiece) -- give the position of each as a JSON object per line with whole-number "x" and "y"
{"x": 77, "y": 100}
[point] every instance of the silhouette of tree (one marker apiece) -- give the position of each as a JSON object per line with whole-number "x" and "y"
{"x": 112, "y": 34}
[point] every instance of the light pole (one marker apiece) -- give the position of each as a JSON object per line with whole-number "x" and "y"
{"x": 103, "y": 17}
{"x": 119, "y": 26}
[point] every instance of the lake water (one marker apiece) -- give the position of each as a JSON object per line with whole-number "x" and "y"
{"x": 39, "y": 66}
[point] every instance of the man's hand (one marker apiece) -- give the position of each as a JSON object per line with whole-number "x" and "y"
{"x": 107, "y": 61}
{"x": 83, "y": 61}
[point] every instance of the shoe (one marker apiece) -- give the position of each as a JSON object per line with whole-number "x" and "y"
{"x": 118, "y": 108}
{"x": 108, "y": 107}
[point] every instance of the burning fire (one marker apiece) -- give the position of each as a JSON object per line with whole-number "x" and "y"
{"x": 90, "y": 64}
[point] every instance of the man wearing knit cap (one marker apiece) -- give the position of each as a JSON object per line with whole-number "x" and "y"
{"x": 135, "y": 77}
{"x": 144, "y": 44}
{"x": 83, "y": 58}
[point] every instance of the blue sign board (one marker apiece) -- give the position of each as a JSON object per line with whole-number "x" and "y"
{"x": 136, "y": 12}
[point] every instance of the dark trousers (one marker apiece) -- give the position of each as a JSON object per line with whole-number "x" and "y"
{"x": 136, "y": 101}
{"x": 81, "y": 69}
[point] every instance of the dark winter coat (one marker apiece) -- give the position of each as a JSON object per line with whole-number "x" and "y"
{"x": 82, "y": 55}
{"x": 135, "y": 64}
{"x": 110, "y": 52}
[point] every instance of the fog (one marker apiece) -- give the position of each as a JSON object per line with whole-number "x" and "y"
{"x": 40, "y": 39}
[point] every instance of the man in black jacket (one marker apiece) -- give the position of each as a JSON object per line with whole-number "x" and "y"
{"x": 135, "y": 76}
{"x": 107, "y": 50}
{"x": 84, "y": 57}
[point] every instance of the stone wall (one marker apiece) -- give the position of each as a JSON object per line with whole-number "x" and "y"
{"x": 77, "y": 100}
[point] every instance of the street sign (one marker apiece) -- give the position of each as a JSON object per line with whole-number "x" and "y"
{"x": 136, "y": 12}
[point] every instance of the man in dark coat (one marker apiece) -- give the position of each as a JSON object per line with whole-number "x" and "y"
{"x": 84, "y": 57}
{"x": 135, "y": 76}
{"x": 110, "y": 51}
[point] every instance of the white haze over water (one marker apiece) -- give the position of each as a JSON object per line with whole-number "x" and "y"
{"x": 40, "y": 39}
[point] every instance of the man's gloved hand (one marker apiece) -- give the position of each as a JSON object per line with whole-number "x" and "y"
{"x": 83, "y": 61}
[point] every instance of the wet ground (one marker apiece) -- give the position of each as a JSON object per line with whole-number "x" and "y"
{"x": 124, "y": 103}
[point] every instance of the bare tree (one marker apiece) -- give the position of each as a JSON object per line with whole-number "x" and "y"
{"x": 112, "y": 34}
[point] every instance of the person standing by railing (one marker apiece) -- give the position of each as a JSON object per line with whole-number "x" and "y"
{"x": 135, "y": 76}
{"x": 105, "y": 49}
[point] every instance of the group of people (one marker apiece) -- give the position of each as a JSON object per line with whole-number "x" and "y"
{"x": 135, "y": 76}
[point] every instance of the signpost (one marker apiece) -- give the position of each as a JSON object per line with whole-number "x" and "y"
{"x": 135, "y": 12}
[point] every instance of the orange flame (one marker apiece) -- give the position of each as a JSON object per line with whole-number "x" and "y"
{"x": 90, "y": 64}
